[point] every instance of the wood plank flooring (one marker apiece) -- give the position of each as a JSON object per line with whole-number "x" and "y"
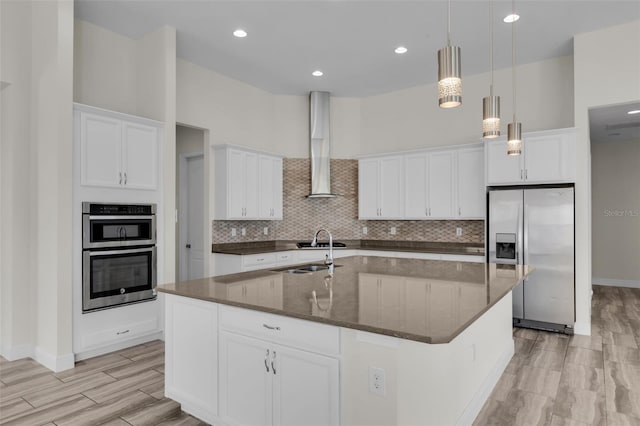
{"x": 552, "y": 380}
{"x": 559, "y": 380}
{"x": 121, "y": 388}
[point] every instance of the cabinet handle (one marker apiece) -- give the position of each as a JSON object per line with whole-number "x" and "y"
{"x": 260, "y": 260}
{"x": 426, "y": 211}
{"x": 122, "y": 332}
{"x": 125, "y": 178}
{"x": 521, "y": 174}
{"x": 271, "y": 327}
{"x": 120, "y": 182}
{"x": 459, "y": 212}
{"x": 273, "y": 360}
{"x": 526, "y": 172}
{"x": 429, "y": 211}
{"x": 266, "y": 361}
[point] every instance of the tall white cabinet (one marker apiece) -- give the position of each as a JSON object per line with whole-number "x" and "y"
{"x": 248, "y": 184}
{"x": 547, "y": 157}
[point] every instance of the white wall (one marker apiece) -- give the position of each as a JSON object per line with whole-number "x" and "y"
{"x": 411, "y": 119}
{"x": 602, "y": 76}
{"x": 615, "y": 188}
{"x": 36, "y": 186}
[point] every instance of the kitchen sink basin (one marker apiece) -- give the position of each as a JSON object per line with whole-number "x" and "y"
{"x": 305, "y": 269}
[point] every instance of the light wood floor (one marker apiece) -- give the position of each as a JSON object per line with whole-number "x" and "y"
{"x": 121, "y": 388}
{"x": 558, "y": 380}
{"x": 552, "y": 380}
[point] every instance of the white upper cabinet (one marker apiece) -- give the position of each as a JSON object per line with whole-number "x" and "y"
{"x": 248, "y": 184}
{"x": 547, "y": 157}
{"x": 471, "y": 190}
{"x": 380, "y": 183}
{"x": 117, "y": 152}
{"x": 433, "y": 184}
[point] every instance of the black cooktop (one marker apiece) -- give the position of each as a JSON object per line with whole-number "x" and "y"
{"x": 307, "y": 244}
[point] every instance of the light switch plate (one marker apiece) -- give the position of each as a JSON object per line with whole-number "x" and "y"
{"x": 459, "y": 232}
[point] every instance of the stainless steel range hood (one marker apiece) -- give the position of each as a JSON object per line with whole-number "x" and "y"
{"x": 320, "y": 145}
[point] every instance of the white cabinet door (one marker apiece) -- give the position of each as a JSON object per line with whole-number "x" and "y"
{"x": 306, "y": 389}
{"x": 245, "y": 380}
{"x": 270, "y": 184}
{"x": 251, "y": 188}
{"x": 100, "y": 150}
{"x": 441, "y": 184}
{"x": 192, "y": 354}
{"x": 368, "y": 189}
{"x": 471, "y": 189}
{"x": 236, "y": 183}
{"x": 416, "y": 191}
{"x": 140, "y": 156}
{"x": 543, "y": 158}
{"x": 502, "y": 168}
{"x": 391, "y": 201}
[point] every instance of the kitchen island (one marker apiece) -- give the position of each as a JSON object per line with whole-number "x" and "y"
{"x": 379, "y": 341}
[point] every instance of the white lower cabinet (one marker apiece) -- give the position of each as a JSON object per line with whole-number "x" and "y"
{"x": 262, "y": 383}
{"x": 191, "y": 355}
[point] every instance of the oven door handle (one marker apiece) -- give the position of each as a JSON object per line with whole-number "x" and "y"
{"x": 121, "y": 251}
{"x": 129, "y": 217}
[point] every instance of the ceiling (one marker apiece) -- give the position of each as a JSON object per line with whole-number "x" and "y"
{"x": 613, "y": 124}
{"x": 353, "y": 41}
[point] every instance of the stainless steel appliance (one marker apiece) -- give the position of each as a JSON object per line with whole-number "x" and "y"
{"x": 119, "y": 263}
{"x": 535, "y": 226}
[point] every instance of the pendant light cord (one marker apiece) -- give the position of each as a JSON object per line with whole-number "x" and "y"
{"x": 449, "y": 24}
{"x": 513, "y": 58}
{"x": 491, "y": 42}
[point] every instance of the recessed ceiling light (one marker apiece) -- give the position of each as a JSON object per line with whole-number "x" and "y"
{"x": 240, "y": 33}
{"x": 511, "y": 18}
{"x": 400, "y": 50}
{"x": 635, "y": 111}
{"x": 317, "y": 73}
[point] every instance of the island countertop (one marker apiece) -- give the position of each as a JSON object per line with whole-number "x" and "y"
{"x": 429, "y": 301}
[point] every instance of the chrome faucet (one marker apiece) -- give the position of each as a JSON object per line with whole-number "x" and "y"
{"x": 329, "y": 257}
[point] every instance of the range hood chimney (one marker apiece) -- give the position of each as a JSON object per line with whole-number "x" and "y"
{"x": 320, "y": 145}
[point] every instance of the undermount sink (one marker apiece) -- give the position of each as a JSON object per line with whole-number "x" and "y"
{"x": 305, "y": 269}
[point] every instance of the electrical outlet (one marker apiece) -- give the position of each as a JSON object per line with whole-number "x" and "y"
{"x": 243, "y": 232}
{"x": 234, "y": 232}
{"x": 266, "y": 230}
{"x": 392, "y": 231}
{"x": 376, "y": 381}
{"x": 459, "y": 232}
{"x": 365, "y": 230}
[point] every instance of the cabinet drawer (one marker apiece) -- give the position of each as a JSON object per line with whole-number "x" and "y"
{"x": 307, "y": 335}
{"x": 115, "y": 335}
{"x": 285, "y": 257}
{"x": 259, "y": 259}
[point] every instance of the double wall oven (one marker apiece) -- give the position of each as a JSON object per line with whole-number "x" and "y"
{"x": 118, "y": 254}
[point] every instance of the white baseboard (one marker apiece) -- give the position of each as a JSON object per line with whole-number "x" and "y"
{"x": 12, "y": 353}
{"x": 159, "y": 335}
{"x": 55, "y": 363}
{"x": 610, "y": 282}
{"x": 475, "y": 406}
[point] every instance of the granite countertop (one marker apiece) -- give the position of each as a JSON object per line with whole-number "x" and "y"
{"x": 255, "y": 247}
{"x": 429, "y": 301}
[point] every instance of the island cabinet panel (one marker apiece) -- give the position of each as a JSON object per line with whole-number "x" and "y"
{"x": 191, "y": 374}
{"x": 248, "y": 184}
{"x": 547, "y": 157}
{"x": 264, "y": 382}
{"x": 117, "y": 152}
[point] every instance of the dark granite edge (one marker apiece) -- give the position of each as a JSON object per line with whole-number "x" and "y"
{"x": 244, "y": 248}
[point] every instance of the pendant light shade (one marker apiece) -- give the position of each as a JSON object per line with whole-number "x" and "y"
{"x": 449, "y": 74}
{"x": 514, "y": 129}
{"x": 491, "y": 103}
{"x": 514, "y": 138}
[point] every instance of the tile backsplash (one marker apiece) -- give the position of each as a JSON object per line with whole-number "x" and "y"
{"x": 303, "y": 216}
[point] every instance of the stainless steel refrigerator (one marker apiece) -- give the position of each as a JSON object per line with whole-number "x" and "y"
{"x": 535, "y": 226}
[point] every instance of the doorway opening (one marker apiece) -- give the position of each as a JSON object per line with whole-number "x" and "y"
{"x": 192, "y": 203}
{"x": 615, "y": 194}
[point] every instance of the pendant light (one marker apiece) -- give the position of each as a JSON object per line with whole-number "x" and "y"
{"x": 514, "y": 129}
{"x": 491, "y": 103}
{"x": 449, "y": 80}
